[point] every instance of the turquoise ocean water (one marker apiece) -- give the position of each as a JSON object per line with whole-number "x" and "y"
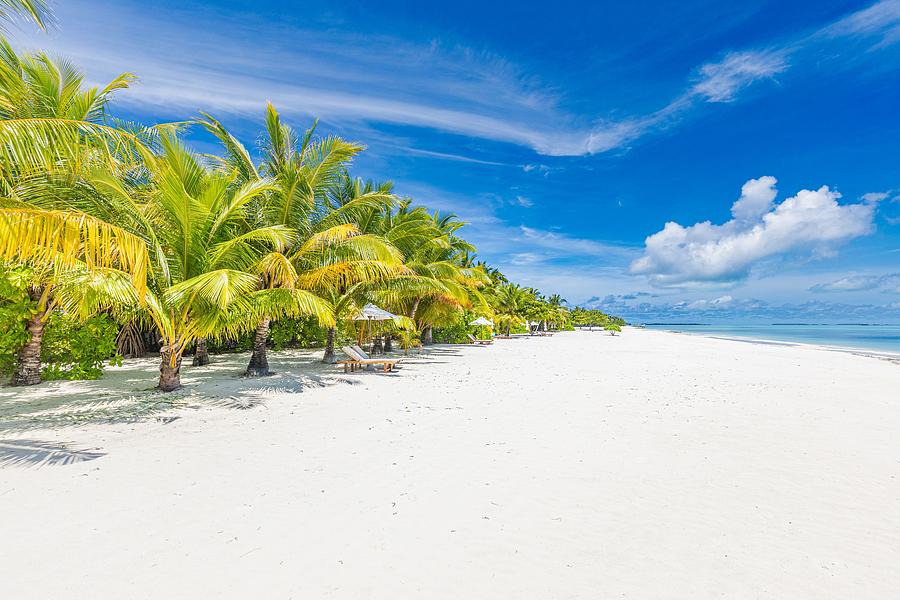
{"x": 878, "y": 338}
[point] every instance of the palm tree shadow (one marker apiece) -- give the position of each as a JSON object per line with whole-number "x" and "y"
{"x": 128, "y": 394}
{"x": 35, "y": 453}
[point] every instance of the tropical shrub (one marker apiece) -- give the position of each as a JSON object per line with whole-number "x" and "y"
{"x": 453, "y": 333}
{"x": 297, "y": 333}
{"x": 15, "y": 307}
{"x": 408, "y": 338}
{"x": 74, "y": 349}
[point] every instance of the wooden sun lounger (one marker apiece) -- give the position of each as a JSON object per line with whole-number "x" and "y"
{"x": 478, "y": 342}
{"x": 357, "y": 361}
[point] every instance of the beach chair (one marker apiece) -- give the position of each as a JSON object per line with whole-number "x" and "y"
{"x": 356, "y": 361}
{"x": 360, "y": 351}
{"x": 366, "y": 356}
{"x": 478, "y": 342}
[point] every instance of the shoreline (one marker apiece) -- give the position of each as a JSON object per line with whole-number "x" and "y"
{"x": 859, "y": 350}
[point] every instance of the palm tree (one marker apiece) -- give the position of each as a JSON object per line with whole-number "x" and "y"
{"x": 208, "y": 253}
{"x": 328, "y": 254}
{"x": 510, "y": 301}
{"x": 63, "y": 246}
{"x": 47, "y": 142}
{"x": 440, "y": 280}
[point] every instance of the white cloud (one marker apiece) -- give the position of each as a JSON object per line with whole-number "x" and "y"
{"x": 524, "y": 202}
{"x": 720, "y": 82}
{"x": 525, "y": 258}
{"x": 756, "y": 199}
{"x": 889, "y": 282}
{"x": 875, "y": 196}
{"x": 811, "y": 222}
{"x": 882, "y": 18}
{"x": 554, "y": 241}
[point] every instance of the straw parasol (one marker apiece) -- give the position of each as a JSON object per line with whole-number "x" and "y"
{"x": 481, "y": 322}
{"x": 370, "y": 313}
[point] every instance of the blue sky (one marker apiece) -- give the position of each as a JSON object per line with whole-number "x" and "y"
{"x": 692, "y": 160}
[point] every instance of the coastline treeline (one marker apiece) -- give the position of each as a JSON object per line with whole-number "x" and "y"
{"x": 117, "y": 239}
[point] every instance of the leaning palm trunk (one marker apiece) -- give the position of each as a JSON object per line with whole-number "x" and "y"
{"x": 427, "y": 338}
{"x": 201, "y": 354}
{"x": 169, "y": 375}
{"x": 329, "y": 357}
{"x": 28, "y": 360}
{"x": 259, "y": 361}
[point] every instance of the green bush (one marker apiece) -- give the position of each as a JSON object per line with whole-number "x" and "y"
{"x": 297, "y": 333}
{"x": 454, "y": 333}
{"x": 242, "y": 343}
{"x": 15, "y": 308}
{"x": 75, "y": 349}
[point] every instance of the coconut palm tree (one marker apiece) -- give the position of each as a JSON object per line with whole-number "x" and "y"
{"x": 63, "y": 247}
{"x": 50, "y": 135}
{"x": 208, "y": 252}
{"x": 510, "y": 302}
{"x": 442, "y": 261}
{"x": 328, "y": 255}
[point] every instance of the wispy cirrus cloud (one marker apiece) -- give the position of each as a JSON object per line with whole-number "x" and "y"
{"x": 887, "y": 282}
{"x": 227, "y": 66}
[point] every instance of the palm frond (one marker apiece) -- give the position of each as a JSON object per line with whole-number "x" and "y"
{"x": 38, "y": 11}
{"x": 68, "y": 238}
{"x": 218, "y": 288}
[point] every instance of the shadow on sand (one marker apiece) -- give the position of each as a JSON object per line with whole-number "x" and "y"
{"x": 35, "y": 453}
{"x": 128, "y": 394}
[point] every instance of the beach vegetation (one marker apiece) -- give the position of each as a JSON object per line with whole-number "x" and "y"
{"x": 116, "y": 238}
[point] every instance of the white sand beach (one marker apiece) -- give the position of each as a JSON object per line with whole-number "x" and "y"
{"x": 648, "y": 465}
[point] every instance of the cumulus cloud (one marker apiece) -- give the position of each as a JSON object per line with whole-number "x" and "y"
{"x": 811, "y": 222}
{"x": 889, "y": 282}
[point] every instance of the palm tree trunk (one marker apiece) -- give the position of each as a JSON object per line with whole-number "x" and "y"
{"x": 329, "y": 357}
{"x": 169, "y": 376}
{"x": 259, "y": 361}
{"x": 426, "y": 338}
{"x": 201, "y": 354}
{"x": 415, "y": 307}
{"x": 28, "y": 360}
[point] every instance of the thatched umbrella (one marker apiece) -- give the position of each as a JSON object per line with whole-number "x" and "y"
{"x": 481, "y": 322}
{"x": 370, "y": 313}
